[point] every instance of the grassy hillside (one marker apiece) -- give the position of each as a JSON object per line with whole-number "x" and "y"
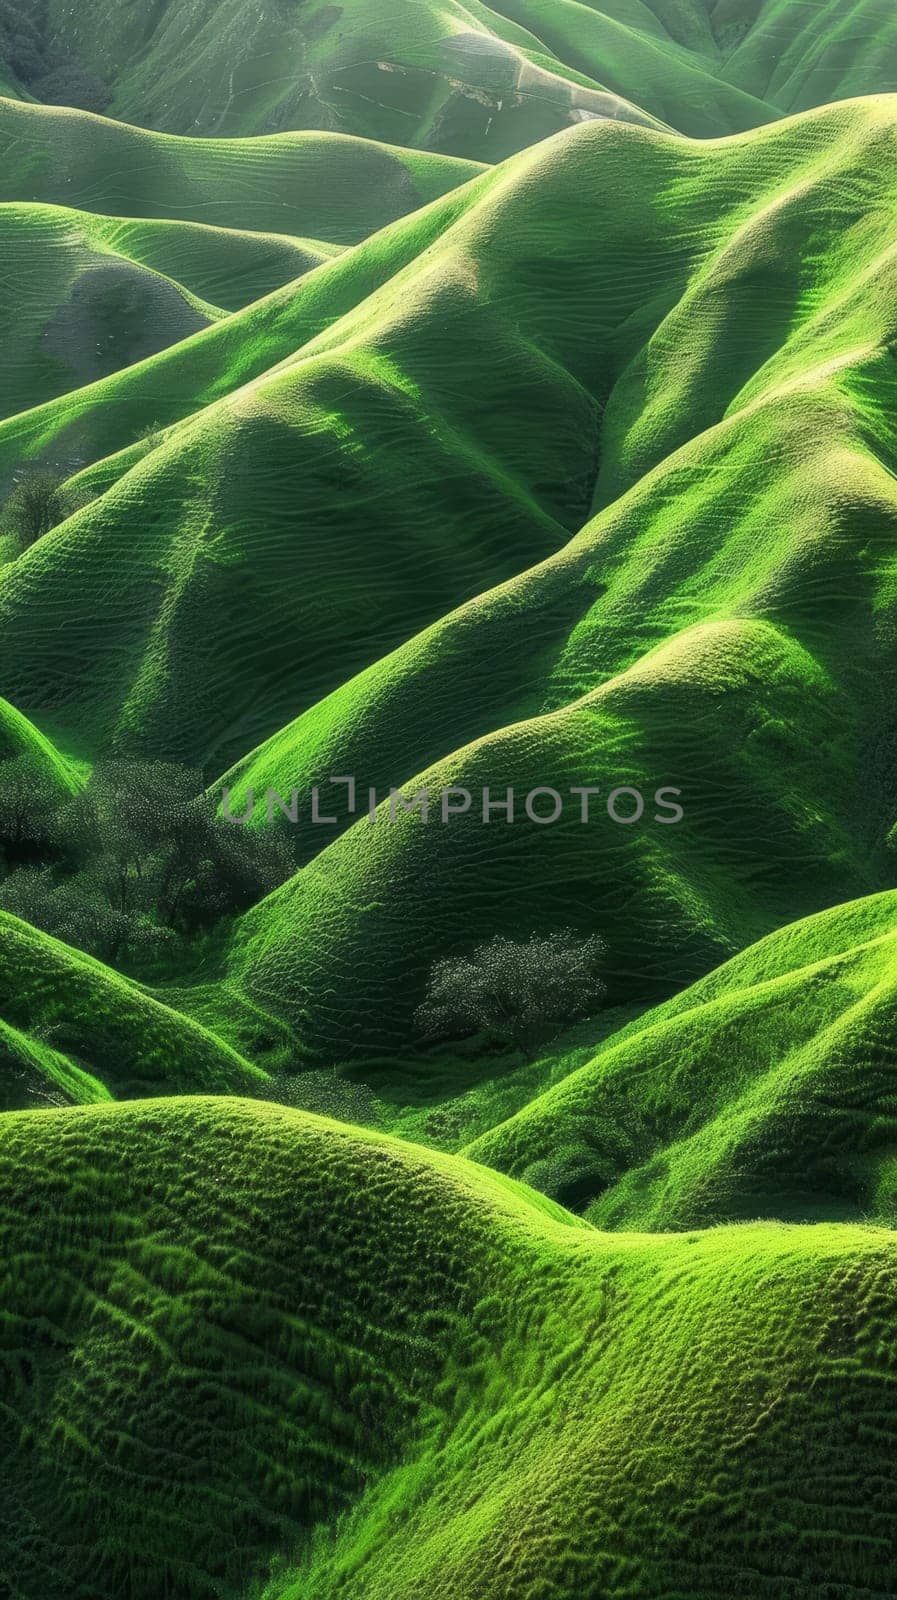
{"x": 95, "y": 1033}
{"x": 496, "y": 398}
{"x": 466, "y": 79}
{"x": 224, "y": 266}
{"x": 20, "y": 738}
{"x": 382, "y": 401}
{"x": 765, "y": 1089}
{"x": 77, "y": 307}
{"x": 796, "y": 56}
{"x": 719, "y": 626}
{"x": 305, "y": 185}
{"x": 451, "y": 1361}
{"x": 88, "y": 295}
{"x": 35, "y": 1076}
{"x": 431, "y": 414}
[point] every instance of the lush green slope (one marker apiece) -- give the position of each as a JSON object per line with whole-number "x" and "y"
{"x": 452, "y": 1358}
{"x": 796, "y": 56}
{"x": 721, "y": 627}
{"x": 306, "y": 185}
{"x": 766, "y": 1089}
{"x": 20, "y": 738}
{"x": 571, "y": 472}
{"x": 224, "y": 266}
{"x": 34, "y": 1075}
{"x": 61, "y": 1006}
{"x": 87, "y": 295}
{"x": 428, "y": 382}
{"x": 76, "y": 307}
{"x": 468, "y": 79}
{"x": 269, "y": 458}
{"x": 434, "y": 412}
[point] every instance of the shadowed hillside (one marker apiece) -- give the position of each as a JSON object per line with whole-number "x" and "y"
{"x": 97, "y": 308}
{"x": 61, "y": 1003}
{"x": 305, "y": 185}
{"x": 765, "y": 1089}
{"x": 466, "y": 79}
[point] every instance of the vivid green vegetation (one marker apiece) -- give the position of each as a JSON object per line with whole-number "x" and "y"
{"x": 453, "y": 1360}
{"x": 717, "y": 626}
{"x": 99, "y": 309}
{"x": 765, "y": 1089}
{"x": 88, "y": 294}
{"x": 476, "y": 397}
{"x": 34, "y": 1075}
{"x": 312, "y": 185}
{"x": 125, "y": 1040}
{"x": 467, "y": 79}
{"x": 19, "y": 738}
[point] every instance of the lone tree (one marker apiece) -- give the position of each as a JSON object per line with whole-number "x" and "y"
{"x": 523, "y": 993}
{"x": 38, "y": 503}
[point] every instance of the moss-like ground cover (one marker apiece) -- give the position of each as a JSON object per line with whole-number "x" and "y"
{"x": 453, "y": 396}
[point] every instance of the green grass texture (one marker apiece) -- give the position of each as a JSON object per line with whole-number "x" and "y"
{"x": 308, "y": 185}
{"x": 646, "y": 540}
{"x": 20, "y": 738}
{"x": 468, "y": 79}
{"x": 491, "y": 396}
{"x": 675, "y": 536}
{"x": 653, "y": 544}
{"x": 457, "y": 1388}
{"x": 72, "y": 1018}
{"x": 765, "y": 1089}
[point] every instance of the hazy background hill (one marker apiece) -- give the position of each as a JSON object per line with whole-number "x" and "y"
{"x": 470, "y": 80}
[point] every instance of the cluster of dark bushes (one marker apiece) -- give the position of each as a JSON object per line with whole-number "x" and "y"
{"x": 134, "y": 867}
{"x": 43, "y": 68}
{"x": 22, "y": 39}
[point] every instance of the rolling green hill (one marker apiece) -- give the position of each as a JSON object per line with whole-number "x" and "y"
{"x": 488, "y": 398}
{"x": 34, "y": 1075}
{"x": 766, "y": 1089}
{"x": 89, "y": 295}
{"x": 20, "y": 738}
{"x": 467, "y": 79}
{"x": 61, "y": 1008}
{"x": 79, "y": 308}
{"x": 373, "y": 367}
{"x": 722, "y": 623}
{"x": 797, "y": 56}
{"x": 449, "y": 1362}
{"x": 317, "y": 186}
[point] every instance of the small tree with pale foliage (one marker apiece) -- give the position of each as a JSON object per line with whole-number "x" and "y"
{"x": 522, "y": 993}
